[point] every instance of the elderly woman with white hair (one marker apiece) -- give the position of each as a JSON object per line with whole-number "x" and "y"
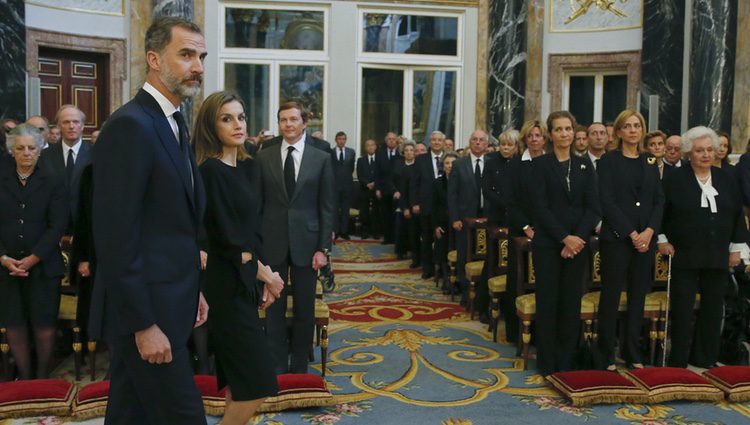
{"x": 704, "y": 232}
{"x": 33, "y": 215}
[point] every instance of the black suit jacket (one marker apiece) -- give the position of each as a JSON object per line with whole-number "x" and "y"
{"x": 403, "y": 177}
{"x": 385, "y": 166}
{"x": 557, "y": 211}
{"x": 495, "y": 188}
{"x": 343, "y": 173}
{"x": 700, "y": 238}
{"x": 148, "y": 204}
{"x": 52, "y": 160}
{"x": 624, "y": 208}
{"x": 742, "y": 171}
{"x": 518, "y": 187}
{"x": 439, "y": 216}
{"x": 33, "y": 219}
{"x": 463, "y": 193}
{"x": 424, "y": 183}
{"x": 366, "y": 172}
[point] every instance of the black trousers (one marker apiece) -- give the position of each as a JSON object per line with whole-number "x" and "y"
{"x": 461, "y": 261}
{"x": 341, "y": 216}
{"x": 623, "y": 269}
{"x": 427, "y": 233}
{"x": 367, "y": 212}
{"x": 558, "y": 307}
{"x": 508, "y": 300}
{"x": 144, "y": 393}
{"x": 407, "y": 237}
{"x": 386, "y": 217}
{"x": 299, "y": 342}
{"x": 686, "y": 283}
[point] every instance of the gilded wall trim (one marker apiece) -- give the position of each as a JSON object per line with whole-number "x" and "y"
{"x": 482, "y": 64}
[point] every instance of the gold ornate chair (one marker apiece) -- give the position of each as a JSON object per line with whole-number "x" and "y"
{"x": 526, "y": 300}
{"x": 497, "y": 255}
{"x": 476, "y": 252}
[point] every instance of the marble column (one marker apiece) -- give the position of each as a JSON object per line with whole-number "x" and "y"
{"x": 13, "y": 60}
{"x": 741, "y": 110}
{"x": 712, "y": 63}
{"x": 534, "y": 56}
{"x": 661, "y": 60}
{"x": 506, "y": 65}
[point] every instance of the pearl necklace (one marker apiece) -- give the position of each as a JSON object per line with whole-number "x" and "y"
{"x": 23, "y": 177}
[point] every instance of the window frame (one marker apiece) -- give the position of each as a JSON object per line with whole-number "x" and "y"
{"x": 598, "y": 74}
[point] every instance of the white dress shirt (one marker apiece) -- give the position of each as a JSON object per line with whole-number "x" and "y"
{"x": 75, "y": 148}
{"x": 341, "y": 153}
{"x": 166, "y": 106}
{"x": 299, "y": 149}
{"x": 371, "y": 159}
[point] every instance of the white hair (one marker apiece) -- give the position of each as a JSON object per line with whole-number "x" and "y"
{"x": 438, "y": 133}
{"x": 696, "y": 133}
{"x": 25, "y": 130}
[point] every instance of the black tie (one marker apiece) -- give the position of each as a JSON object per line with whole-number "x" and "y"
{"x": 69, "y": 166}
{"x": 341, "y": 156}
{"x": 478, "y": 175}
{"x": 439, "y": 165}
{"x": 184, "y": 139}
{"x": 289, "y": 180}
{"x": 369, "y": 161}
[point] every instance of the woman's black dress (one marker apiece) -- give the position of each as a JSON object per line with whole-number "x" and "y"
{"x": 243, "y": 361}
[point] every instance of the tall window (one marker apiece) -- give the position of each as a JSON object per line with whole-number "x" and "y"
{"x": 275, "y": 53}
{"x": 595, "y": 96}
{"x": 410, "y": 69}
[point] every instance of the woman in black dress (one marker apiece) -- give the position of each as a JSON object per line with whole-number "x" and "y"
{"x": 632, "y": 206}
{"x": 407, "y": 233}
{"x": 566, "y": 210}
{"x": 235, "y": 275}
{"x": 33, "y": 216}
{"x": 440, "y": 223}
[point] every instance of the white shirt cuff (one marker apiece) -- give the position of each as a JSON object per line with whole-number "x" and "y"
{"x": 662, "y": 238}
{"x": 742, "y": 248}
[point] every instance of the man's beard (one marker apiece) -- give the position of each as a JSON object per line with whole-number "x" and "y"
{"x": 174, "y": 83}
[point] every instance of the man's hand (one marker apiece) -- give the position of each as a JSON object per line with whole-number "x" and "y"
{"x": 529, "y": 232}
{"x": 666, "y": 248}
{"x": 416, "y": 210}
{"x": 246, "y": 256}
{"x": 268, "y": 298}
{"x": 439, "y": 232}
{"x": 567, "y": 253}
{"x": 574, "y": 244}
{"x": 202, "y": 311}
{"x": 153, "y": 345}
{"x": 397, "y": 195}
{"x": 734, "y": 259}
{"x": 26, "y": 263}
{"x": 458, "y": 225}
{"x": 204, "y": 259}
{"x": 83, "y": 269}
{"x": 319, "y": 260}
{"x": 378, "y": 194}
{"x": 371, "y": 185}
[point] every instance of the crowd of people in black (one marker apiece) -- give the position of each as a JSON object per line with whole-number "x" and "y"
{"x": 254, "y": 213}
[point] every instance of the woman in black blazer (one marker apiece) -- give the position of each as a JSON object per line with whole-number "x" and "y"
{"x": 407, "y": 229}
{"x": 440, "y": 221}
{"x": 704, "y": 231}
{"x": 518, "y": 214}
{"x": 566, "y": 210}
{"x": 33, "y": 217}
{"x": 237, "y": 283}
{"x": 632, "y": 206}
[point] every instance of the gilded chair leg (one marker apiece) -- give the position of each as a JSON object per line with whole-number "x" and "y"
{"x": 495, "y": 316}
{"x": 652, "y": 336}
{"x": 526, "y": 338}
{"x": 5, "y": 352}
{"x": 588, "y": 333}
{"x": 472, "y": 295}
{"x": 323, "y": 350}
{"x": 92, "y": 358}
{"x": 77, "y": 351}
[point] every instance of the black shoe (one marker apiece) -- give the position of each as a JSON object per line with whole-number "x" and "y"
{"x": 484, "y": 318}
{"x": 414, "y": 265}
{"x": 364, "y": 236}
{"x": 428, "y": 275}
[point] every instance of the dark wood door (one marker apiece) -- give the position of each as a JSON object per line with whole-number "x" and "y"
{"x": 78, "y": 78}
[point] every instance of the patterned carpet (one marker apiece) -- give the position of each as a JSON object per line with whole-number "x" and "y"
{"x": 401, "y": 352}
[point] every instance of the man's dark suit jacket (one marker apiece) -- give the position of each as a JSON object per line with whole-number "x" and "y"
{"x": 557, "y": 211}
{"x": 463, "y": 193}
{"x": 424, "y": 183}
{"x": 52, "y": 160}
{"x": 366, "y": 172}
{"x": 309, "y": 140}
{"x": 701, "y": 238}
{"x": 625, "y": 211}
{"x": 385, "y": 170}
{"x": 519, "y": 212}
{"x": 147, "y": 209}
{"x": 342, "y": 173}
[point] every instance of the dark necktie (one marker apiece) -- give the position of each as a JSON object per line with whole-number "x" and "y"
{"x": 341, "y": 156}
{"x": 184, "y": 139}
{"x": 369, "y": 160}
{"x": 70, "y": 163}
{"x": 289, "y": 180}
{"x": 439, "y": 165}
{"x": 478, "y": 175}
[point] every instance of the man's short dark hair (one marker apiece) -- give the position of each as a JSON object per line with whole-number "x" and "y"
{"x": 294, "y": 105}
{"x": 159, "y": 34}
{"x": 340, "y": 133}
